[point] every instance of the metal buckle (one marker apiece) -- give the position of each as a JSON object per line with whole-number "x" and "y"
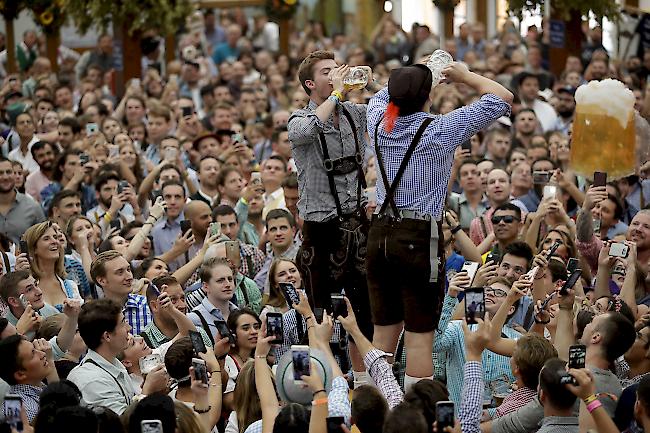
{"x": 359, "y": 158}
{"x": 328, "y": 164}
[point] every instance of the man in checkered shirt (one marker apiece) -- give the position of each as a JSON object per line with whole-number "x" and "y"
{"x": 327, "y": 139}
{"x": 405, "y": 245}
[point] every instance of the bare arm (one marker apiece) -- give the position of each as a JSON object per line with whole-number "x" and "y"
{"x": 487, "y": 243}
{"x": 564, "y": 331}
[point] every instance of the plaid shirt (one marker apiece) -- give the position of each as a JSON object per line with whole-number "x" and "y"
{"x": 137, "y": 313}
{"x": 157, "y": 338}
{"x": 423, "y": 187}
{"x": 316, "y": 202}
{"x": 514, "y": 401}
{"x": 451, "y": 339}
{"x": 469, "y": 413}
{"x": 249, "y": 253}
{"x": 381, "y": 373}
{"x": 30, "y": 396}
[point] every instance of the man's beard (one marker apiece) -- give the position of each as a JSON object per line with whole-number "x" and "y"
{"x": 565, "y": 114}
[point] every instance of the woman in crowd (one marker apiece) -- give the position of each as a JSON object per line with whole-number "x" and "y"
{"x": 47, "y": 263}
{"x": 130, "y": 157}
{"x": 281, "y": 271}
{"x": 244, "y": 325}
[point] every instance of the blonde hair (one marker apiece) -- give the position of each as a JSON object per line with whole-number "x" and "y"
{"x": 31, "y": 236}
{"x": 186, "y": 419}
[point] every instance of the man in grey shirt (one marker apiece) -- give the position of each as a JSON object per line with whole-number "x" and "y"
{"x": 607, "y": 337}
{"x": 18, "y": 212}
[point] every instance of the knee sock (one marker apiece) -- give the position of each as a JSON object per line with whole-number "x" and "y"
{"x": 409, "y": 381}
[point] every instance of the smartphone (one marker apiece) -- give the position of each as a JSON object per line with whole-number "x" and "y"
{"x": 541, "y": 177}
{"x": 84, "y": 159}
{"x": 531, "y": 274}
{"x": 151, "y": 426}
{"x": 467, "y": 145}
{"x": 187, "y": 111}
{"x": 185, "y": 226}
{"x": 256, "y": 178}
{"x": 197, "y": 342}
{"x": 600, "y": 178}
{"x": 115, "y": 224}
{"x": 474, "y": 304}
{"x": 215, "y": 229}
{"x": 470, "y": 268}
{"x": 572, "y": 265}
{"x": 547, "y": 300}
{"x": 170, "y": 154}
{"x": 339, "y": 307}
{"x": 619, "y": 249}
{"x": 121, "y": 186}
{"x": 232, "y": 252}
{"x": 237, "y": 138}
{"x": 334, "y": 424}
{"x": 492, "y": 257}
{"x": 91, "y": 129}
{"x": 290, "y": 294}
{"x": 155, "y": 194}
{"x": 154, "y": 289}
{"x": 135, "y": 83}
{"x": 301, "y": 362}
{"x": 224, "y": 331}
{"x": 23, "y": 247}
{"x": 571, "y": 281}
{"x": 23, "y": 300}
{"x": 13, "y": 407}
{"x": 553, "y": 248}
{"x": 577, "y": 356}
{"x": 550, "y": 192}
{"x": 445, "y": 414}
{"x": 318, "y": 314}
{"x": 149, "y": 362}
{"x": 274, "y": 327}
{"x": 200, "y": 370}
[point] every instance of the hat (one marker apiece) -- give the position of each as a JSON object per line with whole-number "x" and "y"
{"x": 14, "y": 94}
{"x": 409, "y": 85}
{"x": 567, "y": 89}
{"x": 291, "y": 392}
{"x": 197, "y": 140}
{"x": 16, "y": 109}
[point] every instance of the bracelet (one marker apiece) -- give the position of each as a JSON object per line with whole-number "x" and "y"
{"x": 594, "y": 405}
{"x": 307, "y": 318}
{"x": 260, "y": 356}
{"x": 338, "y": 95}
{"x": 244, "y": 201}
{"x": 456, "y": 229}
{"x": 320, "y": 390}
{"x": 319, "y": 401}
{"x": 333, "y": 98}
{"x": 589, "y": 399}
{"x": 202, "y": 410}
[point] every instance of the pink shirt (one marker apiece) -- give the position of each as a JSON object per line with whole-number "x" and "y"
{"x": 35, "y": 183}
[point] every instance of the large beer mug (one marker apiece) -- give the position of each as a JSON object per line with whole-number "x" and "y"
{"x": 356, "y": 79}
{"x": 603, "y": 136}
{"x": 438, "y": 61}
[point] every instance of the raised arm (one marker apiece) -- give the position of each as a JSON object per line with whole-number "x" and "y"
{"x": 264, "y": 382}
{"x": 463, "y": 242}
{"x": 458, "y": 72}
{"x": 564, "y": 336}
{"x": 497, "y": 344}
{"x": 471, "y": 404}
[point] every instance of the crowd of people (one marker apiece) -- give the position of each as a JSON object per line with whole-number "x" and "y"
{"x": 240, "y": 243}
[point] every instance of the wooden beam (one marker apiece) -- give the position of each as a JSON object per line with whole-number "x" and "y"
{"x": 52, "y": 46}
{"x": 12, "y": 68}
{"x": 449, "y": 24}
{"x": 481, "y": 12}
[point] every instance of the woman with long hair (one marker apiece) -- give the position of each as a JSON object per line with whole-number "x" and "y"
{"x": 246, "y": 403}
{"x": 281, "y": 271}
{"x": 244, "y": 325}
{"x": 129, "y": 156}
{"x": 47, "y": 263}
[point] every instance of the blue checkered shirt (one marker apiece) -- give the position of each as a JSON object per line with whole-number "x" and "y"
{"x": 450, "y": 339}
{"x": 471, "y": 406}
{"x": 30, "y": 395}
{"x": 137, "y": 313}
{"x": 423, "y": 187}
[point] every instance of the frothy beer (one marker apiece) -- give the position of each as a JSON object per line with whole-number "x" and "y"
{"x": 603, "y": 135}
{"x": 356, "y": 79}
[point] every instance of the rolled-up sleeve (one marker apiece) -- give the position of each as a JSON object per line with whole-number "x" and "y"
{"x": 382, "y": 374}
{"x": 523, "y": 420}
{"x": 338, "y": 403}
{"x": 304, "y": 127}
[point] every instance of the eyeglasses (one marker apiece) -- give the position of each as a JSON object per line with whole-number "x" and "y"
{"x": 499, "y": 293}
{"x": 508, "y": 219}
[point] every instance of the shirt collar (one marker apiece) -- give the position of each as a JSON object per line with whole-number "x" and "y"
{"x": 134, "y": 301}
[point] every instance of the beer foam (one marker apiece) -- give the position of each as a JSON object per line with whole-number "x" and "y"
{"x": 610, "y": 96}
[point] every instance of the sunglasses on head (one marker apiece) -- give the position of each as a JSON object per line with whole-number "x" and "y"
{"x": 508, "y": 219}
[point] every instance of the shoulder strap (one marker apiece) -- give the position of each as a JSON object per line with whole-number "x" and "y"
{"x": 390, "y": 192}
{"x": 205, "y": 325}
{"x": 242, "y": 287}
{"x": 93, "y": 362}
{"x": 361, "y": 184}
{"x": 330, "y": 175}
{"x": 251, "y": 270}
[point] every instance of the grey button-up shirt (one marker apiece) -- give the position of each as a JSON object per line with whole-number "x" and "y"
{"x": 164, "y": 234}
{"x": 316, "y": 202}
{"x": 24, "y": 213}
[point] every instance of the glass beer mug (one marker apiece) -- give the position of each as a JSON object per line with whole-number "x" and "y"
{"x": 438, "y": 61}
{"x": 356, "y": 79}
{"x": 603, "y": 136}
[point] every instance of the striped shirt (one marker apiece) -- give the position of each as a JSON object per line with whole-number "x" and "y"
{"x": 137, "y": 313}
{"x": 423, "y": 187}
{"x": 451, "y": 339}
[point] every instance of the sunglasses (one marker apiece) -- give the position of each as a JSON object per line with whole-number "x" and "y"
{"x": 508, "y": 219}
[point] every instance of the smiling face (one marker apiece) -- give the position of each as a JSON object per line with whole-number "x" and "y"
{"x": 287, "y": 272}
{"x": 220, "y": 287}
{"x": 246, "y": 332}
{"x": 32, "y": 292}
{"x": 48, "y": 246}
{"x": 118, "y": 278}
{"x": 157, "y": 269}
{"x": 639, "y": 231}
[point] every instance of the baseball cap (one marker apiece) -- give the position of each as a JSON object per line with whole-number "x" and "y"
{"x": 567, "y": 89}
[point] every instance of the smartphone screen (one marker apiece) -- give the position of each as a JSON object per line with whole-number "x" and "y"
{"x": 334, "y": 424}
{"x": 318, "y": 314}
{"x": 600, "y": 178}
{"x": 577, "y": 356}
{"x": 572, "y": 265}
{"x": 339, "y": 307}
{"x": 185, "y": 226}
{"x": 232, "y": 252}
{"x": 474, "y": 304}
{"x": 200, "y": 370}
{"x": 445, "y": 414}
{"x": 553, "y": 248}
{"x": 13, "y": 406}
{"x": 197, "y": 342}
{"x": 618, "y": 249}
{"x": 23, "y": 246}
{"x": 224, "y": 331}
{"x": 301, "y": 362}
{"x": 187, "y": 111}
{"x": 151, "y": 426}
{"x": 274, "y": 327}
{"x": 290, "y": 294}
